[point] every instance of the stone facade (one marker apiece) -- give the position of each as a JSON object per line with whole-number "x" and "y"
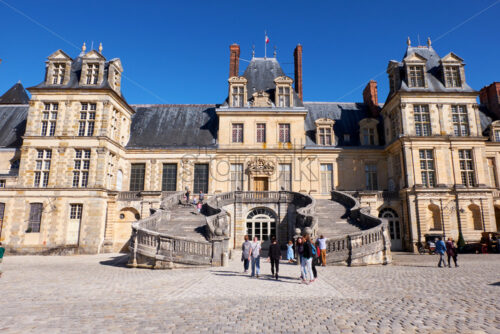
{"x": 427, "y": 158}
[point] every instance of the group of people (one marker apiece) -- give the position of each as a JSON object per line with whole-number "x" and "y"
{"x": 196, "y": 201}
{"x": 449, "y": 248}
{"x": 304, "y": 252}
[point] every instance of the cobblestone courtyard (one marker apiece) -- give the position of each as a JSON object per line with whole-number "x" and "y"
{"x": 97, "y": 294}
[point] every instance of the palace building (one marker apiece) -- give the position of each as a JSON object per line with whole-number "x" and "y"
{"x": 78, "y": 164}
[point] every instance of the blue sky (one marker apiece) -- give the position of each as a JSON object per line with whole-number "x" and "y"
{"x": 178, "y": 51}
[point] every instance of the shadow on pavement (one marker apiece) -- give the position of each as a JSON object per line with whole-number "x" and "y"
{"x": 267, "y": 277}
{"x": 117, "y": 261}
{"x": 495, "y": 284}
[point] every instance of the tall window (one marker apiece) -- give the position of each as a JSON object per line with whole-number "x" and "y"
{"x": 284, "y": 133}
{"x": 285, "y": 177}
{"x": 59, "y": 70}
{"x": 492, "y": 170}
{"x": 35, "y": 218}
{"x": 81, "y": 168}
{"x": 2, "y": 183}
{"x": 368, "y": 136}
{"x": 467, "y": 168}
{"x": 42, "y": 168}
{"x": 236, "y": 177}
{"x": 452, "y": 76}
{"x": 169, "y": 177}
{"x": 326, "y": 178}
{"x": 137, "y": 177}
{"x": 427, "y": 168}
{"x": 75, "y": 211}
{"x": 200, "y": 178}
{"x": 87, "y": 119}
{"x": 261, "y": 133}
{"x": 238, "y": 95}
{"x": 416, "y": 76}
{"x": 460, "y": 120}
{"x": 92, "y": 74}
{"x": 283, "y": 96}
{"x": 497, "y": 135}
{"x": 325, "y": 136}
{"x": 422, "y": 120}
{"x": 238, "y": 133}
{"x": 371, "y": 177}
{"x": 49, "y": 119}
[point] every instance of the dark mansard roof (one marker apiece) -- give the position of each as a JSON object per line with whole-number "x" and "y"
{"x": 15, "y": 95}
{"x": 434, "y": 72}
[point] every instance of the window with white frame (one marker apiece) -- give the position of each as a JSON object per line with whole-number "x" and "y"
{"x": 49, "y": 119}
{"x": 416, "y": 76}
{"x": 452, "y": 76}
{"x": 326, "y": 171}
{"x": 261, "y": 132}
{"x": 427, "y": 168}
{"x": 497, "y": 135}
{"x": 285, "y": 177}
{"x": 236, "y": 177}
{"x": 467, "y": 168}
{"x": 325, "y": 136}
{"x": 284, "y": 96}
{"x": 35, "y": 218}
{"x": 81, "y": 168}
{"x": 237, "y": 133}
{"x": 371, "y": 177}
{"x": 422, "y": 120}
{"x": 368, "y": 136}
{"x": 42, "y": 168}
{"x": 58, "y": 72}
{"x": 460, "y": 120}
{"x": 284, "y": 133}
{"x": 87, "y": 119}
{"x": 92, "y": 74}
{"x": 238, "y": 96}
{"x": 75, "y": 211}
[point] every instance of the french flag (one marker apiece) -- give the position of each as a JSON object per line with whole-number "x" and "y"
{"x": 267, "y": 39}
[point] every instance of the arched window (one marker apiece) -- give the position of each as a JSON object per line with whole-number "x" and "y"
{"x": 434, "y": 218}
{"x": 261, "y": 223}
{"x": 394, "y": 226}
{"x": 475, "y": 217}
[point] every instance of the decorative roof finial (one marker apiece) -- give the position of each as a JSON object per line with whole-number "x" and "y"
{"x": 100, "y": 47}
{"x": 253, "y": 50}
{"x": 84, "y": 47}
{"x": 429, "y": 43}
{"x": 408, "y": 41}
{"x": 274, "y": 54}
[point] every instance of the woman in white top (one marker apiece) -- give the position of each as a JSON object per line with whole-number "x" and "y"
{"x": 255, "y": 257}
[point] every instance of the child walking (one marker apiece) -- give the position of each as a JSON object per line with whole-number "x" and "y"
{"x": 289, "y": 252}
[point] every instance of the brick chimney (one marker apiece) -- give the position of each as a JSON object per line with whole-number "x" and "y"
{"x": 297, "y": 57}
{"x": 489, "y": 96}
{"x": 370, "y": 98}
{"x": 234, "y": 60}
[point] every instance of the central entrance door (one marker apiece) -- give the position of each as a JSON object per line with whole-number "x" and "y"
{"x": 261, "y": 223}
{"x": 260, "y": 184}
{"x": 394, "y": 228}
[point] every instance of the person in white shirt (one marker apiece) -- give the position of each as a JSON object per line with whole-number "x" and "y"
{"x": 322, "y": 247}
{"x": 255, "y": 257}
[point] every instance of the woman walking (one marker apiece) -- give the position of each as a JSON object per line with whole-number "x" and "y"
{"x": 289, "y": 251}
{"x": 307, "y": 257}
{"x": 299, "y": 250}
{"x": 245, "y": 254}
{"x": 255, "y": 257}
{"x": 451, "y": 251}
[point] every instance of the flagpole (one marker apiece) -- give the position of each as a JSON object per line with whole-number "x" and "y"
{"x": 265, "y": 44}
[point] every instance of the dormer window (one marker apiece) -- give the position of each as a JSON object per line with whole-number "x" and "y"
{"x": 58, "y": 72}
{"x": 452, "y": 76}
{"x": 237, "y": 92}
{"x": 368, "y": 131}
{"x": 324, "y": 131}
{"x": 92, "y": 74}
{"x": 495, "y": 131}
{"x": 416, "y": 74}
{"x": 284, "y": 97}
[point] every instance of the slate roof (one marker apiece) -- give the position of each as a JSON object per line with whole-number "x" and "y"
{"x": 173, "y": 126}
{"x": 434, "y": 73}
{"x": 15, "y": 95}
{"x": 346, "y": 116}
{"x": 260, "y": 74}
{"x": 12, "y": 125}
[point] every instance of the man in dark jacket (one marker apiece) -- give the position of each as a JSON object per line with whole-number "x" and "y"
{"x": 274, "y": 256}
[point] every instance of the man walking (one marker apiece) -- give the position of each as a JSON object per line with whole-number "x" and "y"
{"x": 245, "y": 254}
{"x": 322, "y": 248}
{"x": 441, "y": 250}
{"x": 274, "y": 256}
{"x": 255, "y": 257}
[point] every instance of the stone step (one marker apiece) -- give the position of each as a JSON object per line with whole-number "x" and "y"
{"x": 332, "y": 219}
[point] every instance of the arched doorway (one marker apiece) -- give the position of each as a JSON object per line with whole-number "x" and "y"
{"x": 261, "y": 223}
{"x": 394, "y": 228}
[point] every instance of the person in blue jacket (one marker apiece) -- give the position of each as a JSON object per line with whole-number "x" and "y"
{"x": 441, "y": 250}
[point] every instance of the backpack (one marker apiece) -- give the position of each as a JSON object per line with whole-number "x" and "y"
{"x": 314, "y": 252}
